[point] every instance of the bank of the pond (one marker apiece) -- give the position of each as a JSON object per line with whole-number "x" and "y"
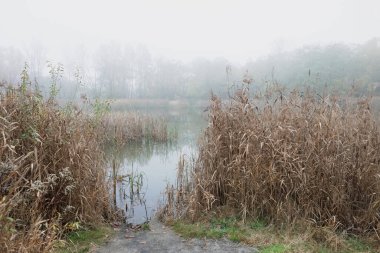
{"x": 216, "y": 235}
{"x": 85, "y": 239}
{"x": 266, "y": 238}
{"x": 161, "y": 239}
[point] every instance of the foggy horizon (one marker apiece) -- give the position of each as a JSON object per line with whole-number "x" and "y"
{"x": 186, "y": 49}
{"x": 238, "y": 31}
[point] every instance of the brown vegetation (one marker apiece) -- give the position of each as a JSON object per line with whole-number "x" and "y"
{"x": 128, "y": 126}
{"x": 52, "y": 172}
{"x": 290, "y": 157}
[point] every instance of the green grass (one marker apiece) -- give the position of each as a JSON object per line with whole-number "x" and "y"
{"x": 84, "y": 240}
{"x": 145, "y": 226}
{"x": 216, "y": 229}
{"x": 257, "y": 224}
{"x": 267, "y": 238}
{"x": 275, "y": 248}
{"x": 189, "y": 230}
{"x": 358, "y": 246}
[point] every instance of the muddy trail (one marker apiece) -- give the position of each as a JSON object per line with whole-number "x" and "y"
{"x": 161, "y": 238}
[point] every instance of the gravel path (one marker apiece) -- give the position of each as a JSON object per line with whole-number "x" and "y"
{"x": 162, "y": 239}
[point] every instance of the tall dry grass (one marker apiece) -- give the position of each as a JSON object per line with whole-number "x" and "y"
{"x": 286, "y": 158}
{"x": 124, "y": 127}
{"x": 52, "y": 171}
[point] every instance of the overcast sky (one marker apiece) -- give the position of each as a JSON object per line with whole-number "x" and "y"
{"x": 185, "y": 29}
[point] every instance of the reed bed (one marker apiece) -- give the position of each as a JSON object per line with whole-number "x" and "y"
{"x": 121, "y": 104}
{"x": 287, "y": 158}
{"x": 124, "y": 127}
{"x": 52, "y": 172}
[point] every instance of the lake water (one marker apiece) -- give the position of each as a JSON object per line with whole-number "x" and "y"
{"x": 148, "y": 167}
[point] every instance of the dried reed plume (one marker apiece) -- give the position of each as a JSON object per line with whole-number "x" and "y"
{"x": 286, "y": 158}
{"x": 125, "y": 127}
{"x": 52, "y": 172}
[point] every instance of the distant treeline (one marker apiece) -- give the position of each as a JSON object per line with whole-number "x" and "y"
{"x": 116, "y": 71}
{"x": 335, "y": 67}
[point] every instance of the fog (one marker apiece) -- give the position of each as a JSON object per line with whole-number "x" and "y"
{"x": 173, "y": 49}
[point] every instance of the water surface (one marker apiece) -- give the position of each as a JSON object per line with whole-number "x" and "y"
{"x": 145, "y": 168}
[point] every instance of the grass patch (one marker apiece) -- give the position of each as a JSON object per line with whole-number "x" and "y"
{"x": 189, "y": 230}
{"x": 215, "y": 229}
{"x": 359, "y": 246}
{"x": 268, "y": 238}
{"x": 145, "y": 226}
{"x": 257, "y": 224}
{"x": 275, "y": 248}
{"x": 84, "y": 240}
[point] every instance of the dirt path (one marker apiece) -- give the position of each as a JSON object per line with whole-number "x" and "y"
{"x": 162, "y": 239}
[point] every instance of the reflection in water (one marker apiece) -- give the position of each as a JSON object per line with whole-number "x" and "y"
{"x": 132, "y": 192}
{"x": 142, "y": 151}
{"x": 142, "y": 169}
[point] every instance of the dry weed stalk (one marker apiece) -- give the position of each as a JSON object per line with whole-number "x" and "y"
{"x": 52, "y": 172}
{"x": 125, "y": 127}
{"x": 287, "y": 158}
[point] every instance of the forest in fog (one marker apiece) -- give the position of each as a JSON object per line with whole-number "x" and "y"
{"x": 130, "y": 71}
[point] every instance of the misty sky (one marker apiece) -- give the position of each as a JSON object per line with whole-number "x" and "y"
{"x": 185, "y": 29}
